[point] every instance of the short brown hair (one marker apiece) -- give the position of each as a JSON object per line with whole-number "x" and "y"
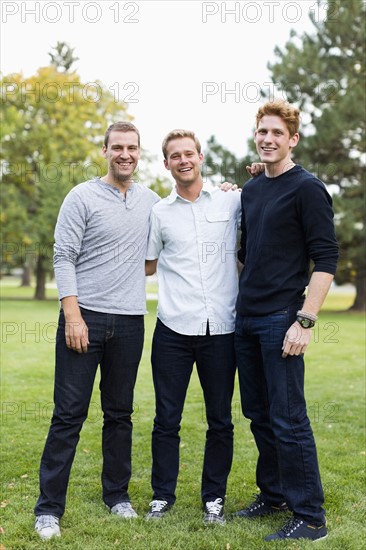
{"x": 281, "y": 108}
{"x": 121, "y": 127}
{"x": 176, "y": 134}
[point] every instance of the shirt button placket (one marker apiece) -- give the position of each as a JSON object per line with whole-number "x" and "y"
{"x": 199, "y": 223}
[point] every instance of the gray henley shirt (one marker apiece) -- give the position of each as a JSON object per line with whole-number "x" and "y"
{"x": 100, "y": 246}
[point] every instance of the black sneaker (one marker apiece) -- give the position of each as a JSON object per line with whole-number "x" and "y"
{"x": 260, "y": 508}
{"x": 158, "y": 508}
{"x": 296, "y": 528}
{"x": 214, "y": 512}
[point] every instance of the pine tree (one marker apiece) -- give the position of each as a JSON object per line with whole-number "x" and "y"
{"x": 63, "y": 57}
{"x": 324, "y": 73}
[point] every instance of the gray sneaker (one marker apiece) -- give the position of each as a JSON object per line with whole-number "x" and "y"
{"x": 124, "y": 510}
{"x": 47, "y": 526}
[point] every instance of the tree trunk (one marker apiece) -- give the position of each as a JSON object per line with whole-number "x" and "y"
{"x": 40, "y": 293}
{"x": 26, "y": 275}
{"x": 360, "y": 300}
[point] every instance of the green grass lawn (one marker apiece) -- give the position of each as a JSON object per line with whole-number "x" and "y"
{"x": 335, "y": 383}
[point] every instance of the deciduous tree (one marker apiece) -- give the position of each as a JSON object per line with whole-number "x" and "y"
{"x": 53, "y": 128}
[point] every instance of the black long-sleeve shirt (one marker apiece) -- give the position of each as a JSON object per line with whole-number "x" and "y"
{"x": 286, "y": 222}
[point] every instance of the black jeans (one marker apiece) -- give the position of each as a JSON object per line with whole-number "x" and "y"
{"x": 272, "y": 395}
{"x": 116, "y": 343}
{"x": 173, "y": 356}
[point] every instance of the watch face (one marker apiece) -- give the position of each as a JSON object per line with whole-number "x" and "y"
{"x": 305, "y": 323}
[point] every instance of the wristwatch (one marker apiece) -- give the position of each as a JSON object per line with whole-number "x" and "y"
{"x": 304, "y": 321}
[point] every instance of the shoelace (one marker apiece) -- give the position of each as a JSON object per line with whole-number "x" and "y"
{"x": 291, "y": 525}
{"x": 257, "y": 503}
{"x": 157, "y": 505}
{"x": 214, "y": 507}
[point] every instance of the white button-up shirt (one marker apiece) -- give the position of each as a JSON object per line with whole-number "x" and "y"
{"x": 196, "y": 246}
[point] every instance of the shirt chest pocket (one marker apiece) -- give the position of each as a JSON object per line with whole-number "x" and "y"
{"x": 217, "y": 223}
{"x": 215, "y": 217}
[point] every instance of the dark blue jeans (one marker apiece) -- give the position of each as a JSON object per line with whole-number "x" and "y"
{"x": 173, "y": 356}
{"x": 116, "y": 343}
{"x": 272, "y": 396}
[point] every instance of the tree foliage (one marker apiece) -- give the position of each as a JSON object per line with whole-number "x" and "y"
{"x": 324, "y": 73}
{"x": 63, "y": 57}
{"x": 221, "y": 165}
{"x": 53, "y": 128}
{"x": 162, "y": 186}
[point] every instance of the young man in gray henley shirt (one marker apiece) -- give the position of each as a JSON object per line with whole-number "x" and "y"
{"x": 99, "y": 260}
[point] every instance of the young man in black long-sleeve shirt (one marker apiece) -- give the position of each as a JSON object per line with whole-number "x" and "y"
{"x": 287, "y": 220}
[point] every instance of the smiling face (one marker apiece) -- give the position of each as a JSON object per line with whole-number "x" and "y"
{"x": 274, "y": 144}
{"x": 122, "y": 154}
{"x": 184, "y": 161}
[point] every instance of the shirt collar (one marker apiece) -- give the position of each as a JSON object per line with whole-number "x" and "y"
{"x": 131, "y": 190}
{"x": 174, "y": 195}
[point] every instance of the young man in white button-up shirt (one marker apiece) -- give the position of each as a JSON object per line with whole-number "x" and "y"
{"x": 192, "y": 243}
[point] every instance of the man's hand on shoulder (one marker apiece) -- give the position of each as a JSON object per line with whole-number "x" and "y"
{"x": 227, "y": 186}
{"x": 255, "y": 169}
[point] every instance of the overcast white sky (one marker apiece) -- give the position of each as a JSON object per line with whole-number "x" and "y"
{"x": 187, "y": 64}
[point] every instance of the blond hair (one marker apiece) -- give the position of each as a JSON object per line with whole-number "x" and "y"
{"x": 176, "y": 134}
